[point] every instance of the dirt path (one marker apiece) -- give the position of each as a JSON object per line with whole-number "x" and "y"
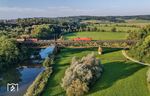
{"x": 125, "y": 55}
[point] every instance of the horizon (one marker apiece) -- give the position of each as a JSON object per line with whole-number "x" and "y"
{"x": 76, "y": 16}
{"x": 64, "y": 8}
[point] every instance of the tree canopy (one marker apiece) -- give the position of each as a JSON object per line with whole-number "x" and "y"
{"x": 142, "y": 49}
{"x": 9, "y": 53}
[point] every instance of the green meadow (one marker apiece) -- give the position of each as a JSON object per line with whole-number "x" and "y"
{"x": 120, "y": 78}
{"x": 98, "y": 35}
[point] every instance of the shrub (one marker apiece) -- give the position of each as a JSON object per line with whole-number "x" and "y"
{"x": 77, "y": 88}
{"x": 47, "y": 62}
{"x": 81, "y": 74}
{"x": 114, "y": 29}
{"x": 37, "y": 87}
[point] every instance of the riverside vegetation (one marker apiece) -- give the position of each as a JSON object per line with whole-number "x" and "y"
{"x": 39, "y": 84}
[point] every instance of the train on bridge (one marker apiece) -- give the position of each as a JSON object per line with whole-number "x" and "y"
{"x": 36, "y": 39}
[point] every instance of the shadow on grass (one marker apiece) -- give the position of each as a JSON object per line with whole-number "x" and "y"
{"x": 113, "y": 72}
{"x": 79, "y": 50}
{"x": 70, "y": 34}
{"x": 109, "y": 50}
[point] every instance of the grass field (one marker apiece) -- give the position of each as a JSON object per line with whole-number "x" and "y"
{"x": 120, "y": 78}
{"x": 119, "y": 27}
{"x": 98, "y": 35}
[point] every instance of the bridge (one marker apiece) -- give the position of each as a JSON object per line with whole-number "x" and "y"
{"x": 70, "y": 43}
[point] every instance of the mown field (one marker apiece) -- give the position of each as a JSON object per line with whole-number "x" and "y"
{"x": 120, "y": 78}
{"x": 119, "y": 27}
{"x": 98, "y": 35}
{"x": 129, "y": 25}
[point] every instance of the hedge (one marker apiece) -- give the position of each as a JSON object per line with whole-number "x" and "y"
{"x": 37, "y": 87}
{"x": 39, "y": 84}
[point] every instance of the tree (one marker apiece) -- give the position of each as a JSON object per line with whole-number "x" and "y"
{"x": 47, "y": 62}
{"x": 141, "y": 34}
{"x": 114, "y": 29}
{"x": 41, "y": 31}
{"x": 9, "y": 53}
{"x": 141, "y": 50}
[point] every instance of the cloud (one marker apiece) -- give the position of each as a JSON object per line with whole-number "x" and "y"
{"x": 19, "y": 12}
{"x": 17, "y": 9}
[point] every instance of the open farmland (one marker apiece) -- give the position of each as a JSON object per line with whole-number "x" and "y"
{"x": 98, "y": 35}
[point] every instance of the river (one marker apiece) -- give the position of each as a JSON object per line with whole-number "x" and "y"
{"x": 23, "y": 75}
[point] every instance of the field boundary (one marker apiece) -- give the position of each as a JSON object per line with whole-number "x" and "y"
{"x": 136, "y": 61}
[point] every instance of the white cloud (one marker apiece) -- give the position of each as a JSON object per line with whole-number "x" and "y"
{"x": 15, "y": 12}
{"x": 20, "y": 12}
{"x": 17, "y": 9}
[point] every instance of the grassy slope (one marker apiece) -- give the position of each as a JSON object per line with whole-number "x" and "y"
{"x": 98, "y": 35}
{"x": 120, "y": 78}
{"x": 110, "y": 26}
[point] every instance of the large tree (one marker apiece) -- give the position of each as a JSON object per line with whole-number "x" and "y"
{"x": 41, "y": 31}
{"x": 9, "y": 53}
{"x": 142, "y": 50}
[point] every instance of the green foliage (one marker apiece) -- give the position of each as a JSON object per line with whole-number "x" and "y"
{"x": 141, "y": 34}
{"x": 9, "y": 53}
{"x": 142, "y": 49}
{"x": 114, "y": 29}
{"x": 41, "y": 31}
{"x": 39, "y": 84}
{"x": 81, "y": 74}
{"x": 47, "y": 62}
{"x": 77, "y": 88}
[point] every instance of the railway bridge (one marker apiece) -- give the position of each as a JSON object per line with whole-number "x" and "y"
{"x": 70, "y": 43}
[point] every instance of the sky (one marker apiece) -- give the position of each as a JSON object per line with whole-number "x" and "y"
{"x": 11, "y": 9}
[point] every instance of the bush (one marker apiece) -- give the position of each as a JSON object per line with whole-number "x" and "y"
{"x": 81, "y": 74}
{"x": 114, "y": 29}
{"x": 47, "y": 62}
{"x": 37, "y": 87}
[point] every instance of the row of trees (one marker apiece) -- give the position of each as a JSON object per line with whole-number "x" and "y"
{"x": 47, "y": 27}
{"x": 81, "y": 74}
{"x": 39, "y": 30}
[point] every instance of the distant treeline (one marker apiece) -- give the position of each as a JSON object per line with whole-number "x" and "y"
{"x": 46, "y": 28}
{"x": 43, "y": 20}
